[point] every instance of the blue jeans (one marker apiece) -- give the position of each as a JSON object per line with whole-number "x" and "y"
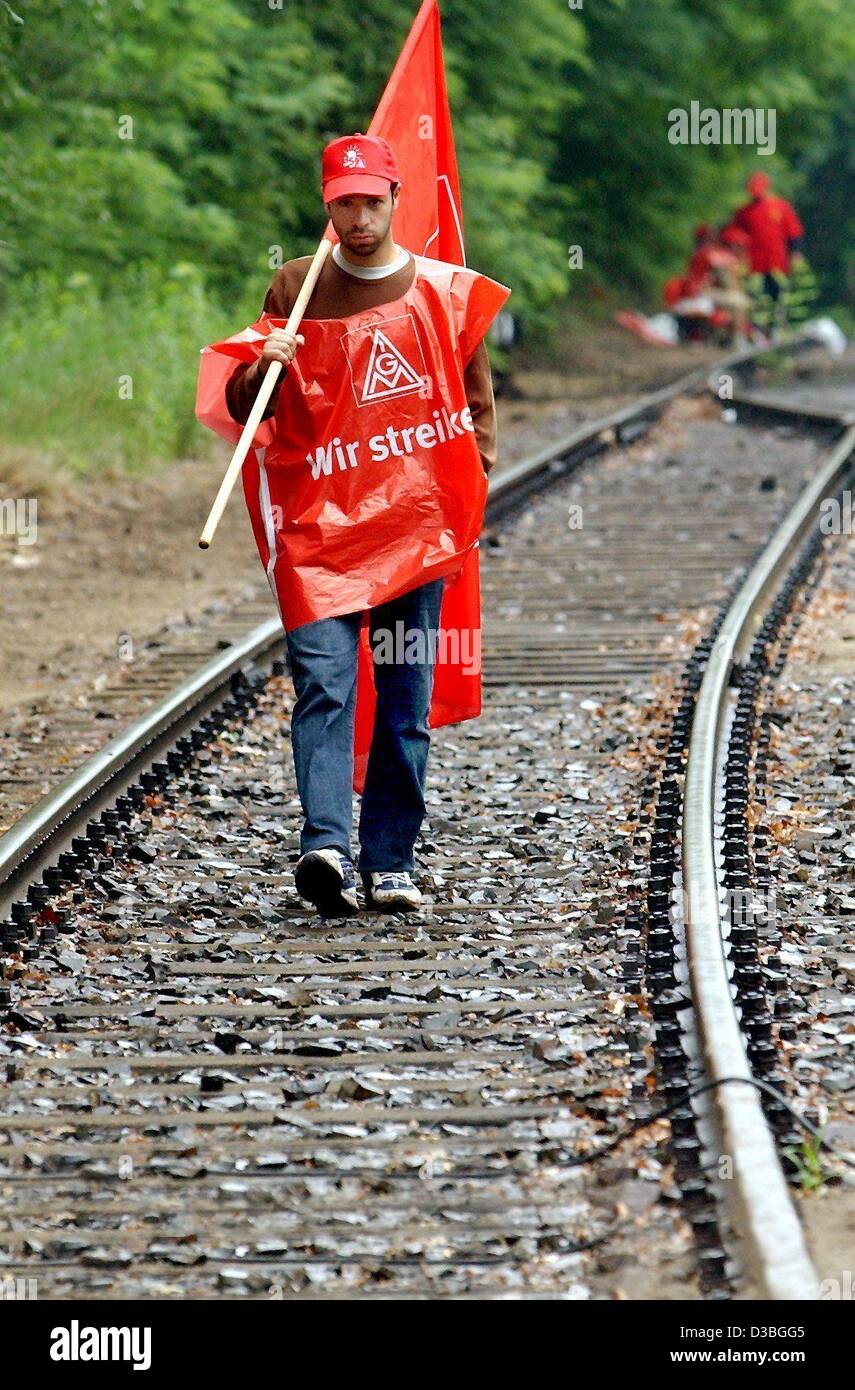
{"x": 323, "y": 666}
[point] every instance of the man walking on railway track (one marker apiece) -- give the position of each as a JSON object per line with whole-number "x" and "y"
{"x": 366, "y": 503}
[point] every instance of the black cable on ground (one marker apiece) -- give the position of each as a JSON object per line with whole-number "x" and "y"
{"x": 638, "y": 1125}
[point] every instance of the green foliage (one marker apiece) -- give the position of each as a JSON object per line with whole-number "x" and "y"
{"x": 105, "y": 381}
{"x": 173, "y": 130}
{"x": 828, "y": 202}
{"x": 639, "y": 195}
{"x": 137, "y": 136}
{"x": 806, "y": 1159}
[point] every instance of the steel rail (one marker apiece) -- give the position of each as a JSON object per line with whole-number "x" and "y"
{"x": 765, "y": 1219}
{"x": 50, "y": 823}
{"x": 54, "y": 816}
{"x": 745, "y": 395}
{"x": 37, "y": 835}
{"x": 755, "y": 400}
{"x": 607, "y": 429}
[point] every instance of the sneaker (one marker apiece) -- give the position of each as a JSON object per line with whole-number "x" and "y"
{"x": 327, "y": 878}
{"x": 391, "y": 892}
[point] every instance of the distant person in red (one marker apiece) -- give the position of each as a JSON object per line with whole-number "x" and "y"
{"x": 773, "y": 229}
{"x": 703, "y": 258}
{"x": 710, "y": 294}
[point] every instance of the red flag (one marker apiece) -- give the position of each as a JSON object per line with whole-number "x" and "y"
{"x": 414, "y": 117}
{"x": 342, "y": 522}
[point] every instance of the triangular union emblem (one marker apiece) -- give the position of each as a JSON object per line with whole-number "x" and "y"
{"x": 389, "y": 373}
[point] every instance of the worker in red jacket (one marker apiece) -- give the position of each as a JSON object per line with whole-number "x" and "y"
{"x": 774, "y": 232}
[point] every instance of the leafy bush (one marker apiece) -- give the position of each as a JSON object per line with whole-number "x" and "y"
{"x": 106, "y": 380}
{"x": 153, "y": 154}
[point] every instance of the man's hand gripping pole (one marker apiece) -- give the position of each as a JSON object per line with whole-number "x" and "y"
{"x": 265, "y": 391}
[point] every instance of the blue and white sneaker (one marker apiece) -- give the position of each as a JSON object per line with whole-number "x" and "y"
{"x": 391, "y": 892}
{"x": 327, "y": 878}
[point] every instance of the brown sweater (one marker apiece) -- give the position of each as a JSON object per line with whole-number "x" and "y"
{"x": 337, "y": 295}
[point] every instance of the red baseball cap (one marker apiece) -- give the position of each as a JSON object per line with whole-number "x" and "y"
{"x": 358, "y": 164}
{"x": 758, "y": 184}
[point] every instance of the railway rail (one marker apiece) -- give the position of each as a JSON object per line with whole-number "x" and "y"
{"x": 208, "y": 1093}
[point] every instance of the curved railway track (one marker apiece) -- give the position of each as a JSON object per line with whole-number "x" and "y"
{"x": 208, "y": 1093}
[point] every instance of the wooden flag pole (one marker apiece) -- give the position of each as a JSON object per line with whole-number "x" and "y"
{"x": 265, "y": 391}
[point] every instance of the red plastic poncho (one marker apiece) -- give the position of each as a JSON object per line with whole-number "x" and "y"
{"x": 368, "y": 482}
{"x": 771, "y": 224}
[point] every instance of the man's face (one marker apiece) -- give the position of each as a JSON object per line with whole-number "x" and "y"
{"x": 361, "y": 223}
